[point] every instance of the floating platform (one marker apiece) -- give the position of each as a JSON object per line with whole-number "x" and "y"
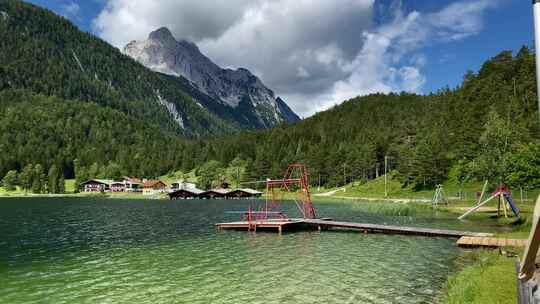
{"x": 281, "y": 225}
{"x": 489, "y": 242}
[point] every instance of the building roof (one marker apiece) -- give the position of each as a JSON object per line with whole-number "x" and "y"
{"x": 190, "y": 190}
{"x": 133, "y": 180}
{"x": 250, "y": 191}
{"x": 99, "y": 181}
{"x": 220, "y": 190}
{"x": 153, "y": 183}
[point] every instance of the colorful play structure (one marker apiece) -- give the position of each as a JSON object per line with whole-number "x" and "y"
{"x": 504, "y": 196}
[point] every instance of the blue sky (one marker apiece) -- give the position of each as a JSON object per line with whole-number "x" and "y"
{"x": 367, "y": 46}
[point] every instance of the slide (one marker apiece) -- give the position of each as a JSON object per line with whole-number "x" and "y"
{"x": 512, "y": 204}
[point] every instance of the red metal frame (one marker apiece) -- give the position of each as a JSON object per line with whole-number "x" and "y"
{"x": 295, "y": 180}
{"x": 296, "y": 176}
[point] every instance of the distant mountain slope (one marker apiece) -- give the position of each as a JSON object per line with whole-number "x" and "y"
{"x": 251, "y": 101}
{"x": 423, "y": 137}
{"x": 38, "y": 129}
{"x": 45, "y": 53}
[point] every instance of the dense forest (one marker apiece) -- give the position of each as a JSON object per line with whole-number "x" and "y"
{"x": 73, "y": 106}
{"x": 485, "y": 128}
{"x": 37, "y": 129}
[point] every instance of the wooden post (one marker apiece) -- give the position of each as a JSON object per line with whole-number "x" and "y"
{"x": 473, "y": 209}
{"x": 385, "y": 176}
{"x": 499, "y": 207}
{"x": 528, "y": 266}
{"x": 503, "y": 201}
{"x": 483, "y": 192}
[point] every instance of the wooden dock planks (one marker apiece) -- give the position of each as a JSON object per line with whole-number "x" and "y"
{"x": 364, "y": 227}
{"x": 395, "y": 229}
{"x": 489, "y": 242}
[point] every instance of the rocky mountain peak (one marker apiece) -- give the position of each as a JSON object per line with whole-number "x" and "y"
{"x": 238, "y": 89}
{"x": 162, "y": 34}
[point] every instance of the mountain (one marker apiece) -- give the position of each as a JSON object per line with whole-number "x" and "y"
{"x": 251, "y": 102}
{"x": 44, "y": 53}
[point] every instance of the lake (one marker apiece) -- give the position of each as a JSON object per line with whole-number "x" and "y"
{"x": 93, "y": 250}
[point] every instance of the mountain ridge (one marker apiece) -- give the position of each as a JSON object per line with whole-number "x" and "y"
{"x": 238, "y": 89}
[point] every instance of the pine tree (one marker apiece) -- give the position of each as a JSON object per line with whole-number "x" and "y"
{"x": 26, "y": 177}
{"x": 38, "y": 179}
{"x": 53, "y": 179}
{"x": 10, "y": 181}
{"x": 61, "y": 187}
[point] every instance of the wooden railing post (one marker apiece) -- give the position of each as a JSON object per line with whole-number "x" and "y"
{"x": 528, "y": 264}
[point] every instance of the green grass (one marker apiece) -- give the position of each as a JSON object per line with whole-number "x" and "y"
{"x": 376, "y": 189}
{"x": 390, "y": 209}
{"x": 17, "y": 192}
{"x": 490, "y": 279}
{"x": 70, "y": 185}
{"x": 172, "y": 177}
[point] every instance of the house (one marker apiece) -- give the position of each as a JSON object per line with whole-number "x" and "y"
{"x": 185, "y": 193}
{"x": 117, "y": 186}
{"x": 244, "y": 193}
{"x": 214, "y": 193}
{"x": 133, "y": 184}
{"x": 96, "y": 185}
{"x": 151, "y": 187}
{"x": 182, "y": 185}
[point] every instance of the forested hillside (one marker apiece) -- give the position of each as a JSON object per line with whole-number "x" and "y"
{"x": 486, "y": 128}
{"x": 37, "y": 129}
{"x": 71, "y": 102}
{"x": 47, "y": 54}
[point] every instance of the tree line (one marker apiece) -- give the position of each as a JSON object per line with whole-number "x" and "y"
{"x": 486, "y": 128}
{"x": 35, "y": 179}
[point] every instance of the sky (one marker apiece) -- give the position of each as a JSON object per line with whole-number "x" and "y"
{"x": 318, "y": 53}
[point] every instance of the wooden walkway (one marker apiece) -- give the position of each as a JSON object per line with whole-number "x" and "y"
{"x": 489, "y": 242}
{"x": 281, "y": 225}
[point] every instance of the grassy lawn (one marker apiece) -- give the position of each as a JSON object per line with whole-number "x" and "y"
{"x": 70, "y": 185}
{"x": 490, "y": 279}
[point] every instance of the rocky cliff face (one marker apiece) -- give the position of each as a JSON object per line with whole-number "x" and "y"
{"x": 240, "y": 90}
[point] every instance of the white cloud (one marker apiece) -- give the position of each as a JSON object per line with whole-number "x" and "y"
{"x": 70, "y": 9}
{"x": 313, "y": 53}
{"x": 124, "y": 20}
{"x": 389, "y": 60}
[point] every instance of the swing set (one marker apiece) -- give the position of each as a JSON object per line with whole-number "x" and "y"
{"x": 504, "y": 196}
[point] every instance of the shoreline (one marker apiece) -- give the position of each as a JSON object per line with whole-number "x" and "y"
{"x": 466, "y": 282}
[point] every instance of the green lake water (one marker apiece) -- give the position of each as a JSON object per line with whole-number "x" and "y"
{"x": 91, "y": 250}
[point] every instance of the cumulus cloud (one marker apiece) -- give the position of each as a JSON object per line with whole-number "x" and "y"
{"x": 313, "y": 53}
{"x": 124, "y": 20}
{"x": 70, "y": 10}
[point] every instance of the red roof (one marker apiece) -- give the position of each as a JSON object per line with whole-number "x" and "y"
{"x": 154, "y": 184}
{"x": 134, "y": 180}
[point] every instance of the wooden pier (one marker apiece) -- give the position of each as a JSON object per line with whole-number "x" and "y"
{"x": 281, "y": 225}
{"x": 489, "y": 242}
